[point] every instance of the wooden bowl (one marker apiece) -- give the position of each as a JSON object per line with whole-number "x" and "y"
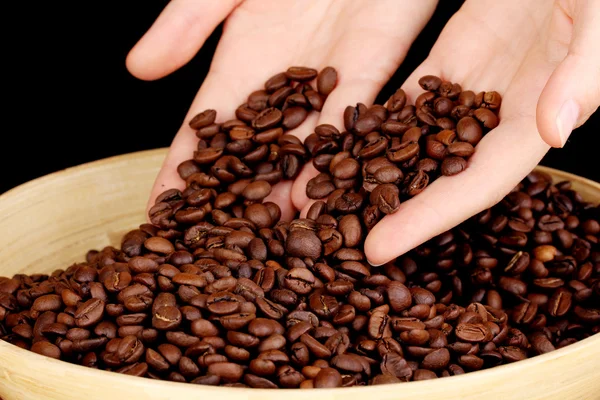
{"x": 52, "y": 221}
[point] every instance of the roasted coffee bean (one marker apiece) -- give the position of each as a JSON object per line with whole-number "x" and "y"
{"x": 560, "y": 302}
{"x": 276, "y": 82}
{"x": 461, "y": 149}
{"x": 486, "y": 117}
{"x": 468, "y": 130}
{"x": 205, "y": 118}
{"x": 301, "y": 74}
{"x": 328, "y": 378}
{"x": 436, "y": 360}
{"x": 386, "y": 198}
{"x": 473, "y": 332}
{"x": 303, "y": 243}
{"x": 300, "y": 280}
{"x": 366, "y": 124}
{"x": 48, "y": 302}
{"x": 430, "y": 82}
{"x": 220, "y": 290}
{"x": 166, "y": 318}
{"x": 399, "y": 296}
{"x": 323, "y": 306}
{"x": 326, "y": 80}
{"x": 396, "y": 102}
{"x": 89, "y": 313}
{"x": 293, "y": 117}
{"x": 46, "y": 349}
{"x": 453, "y": 165}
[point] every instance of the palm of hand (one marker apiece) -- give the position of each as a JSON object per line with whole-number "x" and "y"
{"x": 364, "y": 41}
{"x": 510, "y": 47}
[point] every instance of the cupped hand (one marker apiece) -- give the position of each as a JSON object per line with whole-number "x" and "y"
{"x": 542, "y": 56}
{"x": 364, "y": 40}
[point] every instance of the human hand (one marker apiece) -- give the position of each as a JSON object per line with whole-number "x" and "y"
{"x": 542, "y": 57}
{"x": 365, "y": 41}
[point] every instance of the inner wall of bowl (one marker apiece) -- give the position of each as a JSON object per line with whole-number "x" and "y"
{"x": 53, "y": 221}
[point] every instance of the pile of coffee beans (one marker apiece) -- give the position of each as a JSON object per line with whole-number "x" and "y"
{"x": 218, "y": 290}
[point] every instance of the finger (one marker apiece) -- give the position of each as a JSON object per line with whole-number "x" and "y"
{"x": 282, "y": 191}
{"x": 572, "y": 93}
{"x": 176, "y": 36}
{"x": 304, "y": 211}
{"x": 503, "y": 158}
{"x": 281, "y": 195}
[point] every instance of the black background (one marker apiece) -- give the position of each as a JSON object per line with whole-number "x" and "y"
{"x": 69, "y": 98}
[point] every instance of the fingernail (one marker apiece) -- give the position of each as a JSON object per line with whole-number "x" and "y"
{"x": 566, "y": 120}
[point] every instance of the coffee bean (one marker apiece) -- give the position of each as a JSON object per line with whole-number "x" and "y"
{"x": 417, "y": 183}
{"x": 303, "y": 243}
{"x": 46, "y": 349}
{"x": 227, "y": 372}
{"x": 293, "y": 117}
{"x": 276, "y": 82}
{"x": 326, "y": 80}
{"x": 89, "y": 313}
{"x": 262, "y": 367}
{"x": 366, "y": 124}
{"x": 258, "y": 382}
{"x": 130, "y": 349}
{"x": 512, "y": 354}
{"x": 300, "y": 280}
{"x": 189, "y": 279}
{"x": 472, "y": 332}
{"x": 453, "y": 165}
{"x": 397, "y": 101}
{"x": 328, "y": 378}
{"x": 346, "y": 169}
{"x": 166, "y": 318}
{"x": 436, "y": 360}
{"x": 315, "y": 99}
{"x": 268, "y": 118}
{"x": 513, "y": 285}
{"x": 205, "y": 118}
{"x": 486, "y": 117}
{"x": 560, "y": 302}
{"x": 461, "y": 149}
{"x": 301, "y": 74}
{"x": 430, "y": 82}
{"x": 399, "y": 296}
{"x": 257, "y": 191}
{"x": 159, "y": 245}
{"x": 262, "y": 327}
{"x": 48, "y": 302}
{"x": 403, "y": 152}
{"x": 468, "y": 130}
{"x": 386, "y": 198}
{"x": 243, "y": 296}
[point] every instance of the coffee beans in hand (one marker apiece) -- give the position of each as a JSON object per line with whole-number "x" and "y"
{"x": 218, "y": 290}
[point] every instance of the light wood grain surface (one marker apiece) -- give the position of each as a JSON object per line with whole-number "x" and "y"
{"x": 52, "y": 221}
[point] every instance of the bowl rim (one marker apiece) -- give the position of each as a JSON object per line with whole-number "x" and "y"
{"x": 151, "y": 384}
{"x": 114, "y": 378}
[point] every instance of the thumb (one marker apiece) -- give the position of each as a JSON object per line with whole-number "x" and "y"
{"x": 572, "y": 93}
